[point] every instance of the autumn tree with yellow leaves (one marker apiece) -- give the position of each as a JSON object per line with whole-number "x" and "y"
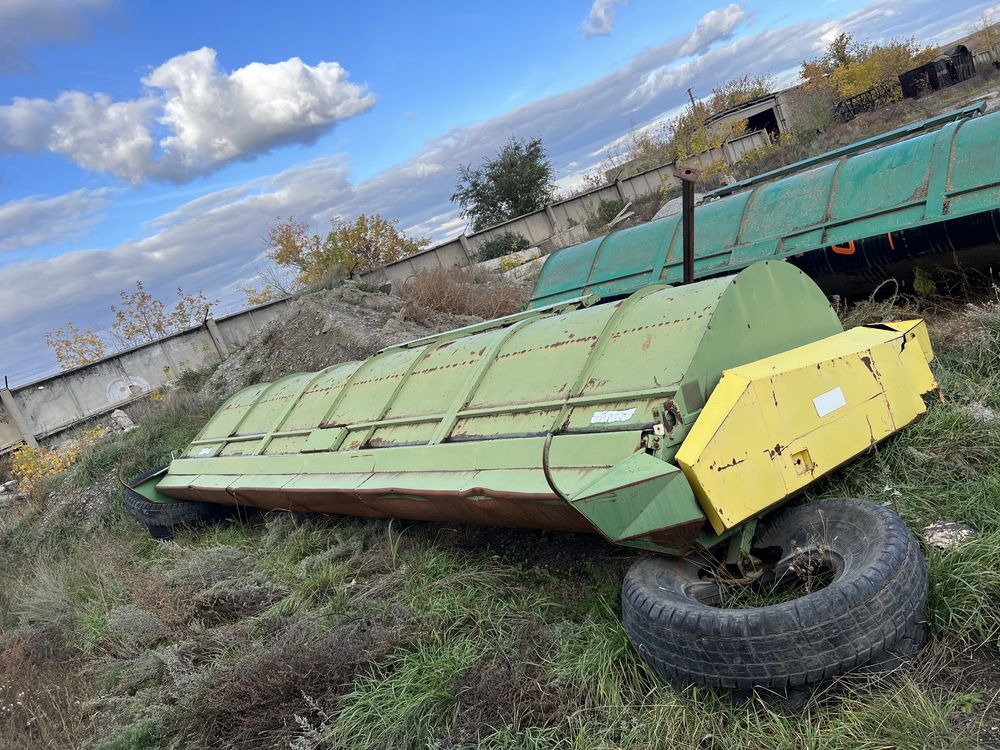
{"x": 73, "y": 347}
{"x": 850, "y": 67}
{"x": 299, "y": 258}
{"x": 688, "y": 133}
{"x": 684, "y": 136}
{"x": 139, "y": 319}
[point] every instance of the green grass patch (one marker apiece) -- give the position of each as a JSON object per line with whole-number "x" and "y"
{"x": 144, "y": 735}
{"x": 524, "y": 632}
{"x": 170, "y": 426}
{"x": 405, "y": 702}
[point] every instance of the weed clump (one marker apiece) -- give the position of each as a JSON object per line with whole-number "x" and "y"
{"x": 257, "y": 698}
{"x": 464, "y": 291}
{"x": 135, "y": 628}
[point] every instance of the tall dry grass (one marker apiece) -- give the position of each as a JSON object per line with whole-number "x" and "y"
{"x": 465, "y": 291}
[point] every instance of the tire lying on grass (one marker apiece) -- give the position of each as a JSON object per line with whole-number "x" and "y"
{"x": 868, "y": 612}
{"x": 163, "y": 519}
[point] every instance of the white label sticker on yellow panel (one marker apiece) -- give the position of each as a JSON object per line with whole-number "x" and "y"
{"x": 829, "y": 401}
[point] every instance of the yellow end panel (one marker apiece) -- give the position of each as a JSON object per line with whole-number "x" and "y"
{"x": 919, "y": 330}
{"x": 773, "y": 426}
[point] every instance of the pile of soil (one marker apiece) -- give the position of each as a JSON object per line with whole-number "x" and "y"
{"x": 324, "y": 328}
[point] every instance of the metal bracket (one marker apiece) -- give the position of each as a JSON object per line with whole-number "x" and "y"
{"x": 738, "y": 553}
{"x": 666, "y": 418}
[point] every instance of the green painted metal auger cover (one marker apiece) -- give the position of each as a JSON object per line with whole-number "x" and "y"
{"x": 855, "y": 213}
{"x": 535, "y": 420}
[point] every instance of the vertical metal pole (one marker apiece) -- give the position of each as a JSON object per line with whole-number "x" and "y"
{"x": 687, "y": 217}
{"x": 687, "y": 176}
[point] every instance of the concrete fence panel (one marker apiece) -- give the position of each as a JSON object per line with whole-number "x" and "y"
{"x": 239, "y": 328}
{"x": 51, "y": 405}
{"x": 738, "y": 148}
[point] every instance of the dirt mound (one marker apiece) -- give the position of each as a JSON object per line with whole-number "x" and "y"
{"x": 327, "y": 327}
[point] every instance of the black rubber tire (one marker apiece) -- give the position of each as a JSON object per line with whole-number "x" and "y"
{"x": 870, "y": 611}
{"x": 162, "y": 519}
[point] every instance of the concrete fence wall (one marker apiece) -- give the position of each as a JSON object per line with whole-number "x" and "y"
{"x": 53, "y": 404}
{"x": 562, "y": 222}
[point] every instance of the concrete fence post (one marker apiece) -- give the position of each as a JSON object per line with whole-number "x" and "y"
{"x": 217, "y": 341}
{"x": 68, "y": 383}
{"x": 466, "y": 247}
{"x": 729, "y": 154}
{"x": 14, "y": 412}
{"x": 618, "y": 189}
{"x": 171, "y": 365}
{"x": 552, "y": 219}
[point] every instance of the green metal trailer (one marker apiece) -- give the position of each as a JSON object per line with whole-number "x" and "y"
{"x": 677, "y": 421}
{"x": 849, "y": 218}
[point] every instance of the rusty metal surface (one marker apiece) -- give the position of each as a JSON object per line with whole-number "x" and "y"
{"x": 479, "y": 506}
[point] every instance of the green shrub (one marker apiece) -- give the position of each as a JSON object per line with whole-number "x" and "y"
{"x": 608, "y": 210}
{"x": 503, "y": 244}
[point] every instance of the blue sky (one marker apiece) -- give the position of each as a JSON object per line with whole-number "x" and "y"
{"x": 158, "y": 141}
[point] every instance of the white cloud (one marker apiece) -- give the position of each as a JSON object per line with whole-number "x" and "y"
{"x": 25, "y": 23}
{"x": 217, "y": 117}
{"x": 715, "y": 26}
{"x": 601, "y": 19}
{"x": 36, "y": 220}
{"x": 210, "y": 117}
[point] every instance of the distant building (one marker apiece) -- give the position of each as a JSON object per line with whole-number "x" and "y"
{"x": 771, "y": 113}
{"x": 950, "y": 67}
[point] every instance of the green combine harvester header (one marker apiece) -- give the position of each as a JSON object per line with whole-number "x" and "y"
{"x": 676, "y": 419}
{"x": 849, "y": 218}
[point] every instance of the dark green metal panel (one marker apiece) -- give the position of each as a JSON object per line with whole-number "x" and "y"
{"x": 853, "y": 211}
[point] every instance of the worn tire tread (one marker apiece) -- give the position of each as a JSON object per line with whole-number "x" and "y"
{"x": 161, "y": 519}
{"x": 865, "y": 615}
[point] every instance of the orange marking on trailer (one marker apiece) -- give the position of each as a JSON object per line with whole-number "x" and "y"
{"x": 892, "y": 245}
{"x": 847, "y": 249}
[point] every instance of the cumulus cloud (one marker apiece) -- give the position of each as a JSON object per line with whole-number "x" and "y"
{"x": 215, "y": 117}
{"x": 209, "y": 117}
{"x": 601, "y": 19}
{"x": 36, "y": 220}
{"x": 715, "y": 26}
{"x": 213, "y": 242}
{"x": 25, "y": 23}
